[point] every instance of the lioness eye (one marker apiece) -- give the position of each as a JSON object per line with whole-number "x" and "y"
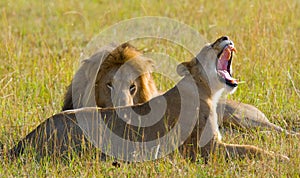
{"x": 109, "y": 85}
{"x": 132, "y": 89}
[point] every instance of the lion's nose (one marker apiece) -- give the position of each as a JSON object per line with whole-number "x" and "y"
{"x": 122, "y": 98}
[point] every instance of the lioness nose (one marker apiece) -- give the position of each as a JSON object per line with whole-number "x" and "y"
{"x": 224, "y": 38}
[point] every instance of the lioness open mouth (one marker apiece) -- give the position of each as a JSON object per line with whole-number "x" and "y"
{"x": 224, "y": 63}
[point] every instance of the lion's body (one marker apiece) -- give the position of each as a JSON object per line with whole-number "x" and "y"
{"x": 204, "y": 138}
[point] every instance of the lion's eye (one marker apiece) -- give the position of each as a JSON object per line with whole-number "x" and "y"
{"x": 132, "y": 89}
{"x": 109, "y": 85}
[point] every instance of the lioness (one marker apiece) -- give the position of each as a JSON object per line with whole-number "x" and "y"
{"x": 205, "y": 78}
{"x": 121, "y": 76}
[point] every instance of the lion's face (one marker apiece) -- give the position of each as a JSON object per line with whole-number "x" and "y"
{"x": 114, "y": 76}
{"x": 124, "y": 83}
{"x": 122, "y": 86}
{"x": 213, "y": 65}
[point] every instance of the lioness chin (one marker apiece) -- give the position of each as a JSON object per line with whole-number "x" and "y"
{"x": 209, "y": 71}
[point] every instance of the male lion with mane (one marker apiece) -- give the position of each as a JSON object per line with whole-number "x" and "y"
{"x": 208, "y": 72}
{"x": 116, "y": 77}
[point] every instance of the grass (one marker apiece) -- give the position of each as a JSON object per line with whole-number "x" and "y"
{"x": 40, "y": 47}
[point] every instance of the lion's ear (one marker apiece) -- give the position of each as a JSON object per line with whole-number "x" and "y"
{"x": 183, "y": 69}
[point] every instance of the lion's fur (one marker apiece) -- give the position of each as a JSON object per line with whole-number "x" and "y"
{"x": 89, "y": 86}
{"x": 202, "y": 73}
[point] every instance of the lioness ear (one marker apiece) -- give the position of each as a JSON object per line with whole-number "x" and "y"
{"x": 183, "y": 69}
{"x": 150, "y": 63}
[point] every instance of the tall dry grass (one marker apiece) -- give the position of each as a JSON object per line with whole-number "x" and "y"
{"x": 40, "y": 47}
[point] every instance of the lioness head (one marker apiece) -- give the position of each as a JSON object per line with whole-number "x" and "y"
{"x": 213, "y": 66}
{"x": 118, "y": 77}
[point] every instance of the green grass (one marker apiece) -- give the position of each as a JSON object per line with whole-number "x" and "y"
{"x": 40, "y": 47}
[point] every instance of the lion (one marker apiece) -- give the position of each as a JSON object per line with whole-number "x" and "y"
{"x": 117, "y": 76}
{"x": 121, "y": 76}
{"x": 205, "y": 78}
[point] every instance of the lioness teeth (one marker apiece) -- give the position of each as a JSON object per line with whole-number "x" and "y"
{"x": 227, "y": 76}
{"x": 226, "y": 53}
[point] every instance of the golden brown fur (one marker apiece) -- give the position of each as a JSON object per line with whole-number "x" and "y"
{"x": 112, "y": 77}
{"x": 61, "y": 132}
{"x": 247, "y": 116}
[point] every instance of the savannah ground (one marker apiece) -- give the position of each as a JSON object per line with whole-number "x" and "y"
{"x": 40, "y": 47}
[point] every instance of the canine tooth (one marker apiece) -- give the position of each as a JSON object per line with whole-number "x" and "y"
{"x": 233, "y": 49}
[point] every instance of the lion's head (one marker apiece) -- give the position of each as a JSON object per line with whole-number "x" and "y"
{"x": 118, "y": 76}
{"x": 213, "y": 66}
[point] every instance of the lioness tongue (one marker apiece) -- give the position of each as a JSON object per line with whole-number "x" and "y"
{"x": 225, "y": 56}
{"x": 223, "y": 64}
